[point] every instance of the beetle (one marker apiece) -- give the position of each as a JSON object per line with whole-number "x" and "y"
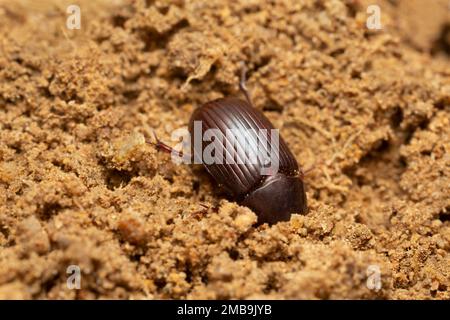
{"x": 273, "y": 197}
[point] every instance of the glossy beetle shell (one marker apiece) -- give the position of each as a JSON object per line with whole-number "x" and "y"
{"x": 272, "y": 197}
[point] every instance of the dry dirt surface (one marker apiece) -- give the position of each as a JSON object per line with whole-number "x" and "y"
{"x": 79, "y": 185}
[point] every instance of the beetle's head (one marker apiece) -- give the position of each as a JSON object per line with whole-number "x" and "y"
{"x": 277, "y": 198}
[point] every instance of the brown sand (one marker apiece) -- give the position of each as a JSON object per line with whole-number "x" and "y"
{"x": 78, "y": 185}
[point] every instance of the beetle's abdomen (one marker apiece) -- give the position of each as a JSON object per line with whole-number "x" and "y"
{"x": 241, "y": 176}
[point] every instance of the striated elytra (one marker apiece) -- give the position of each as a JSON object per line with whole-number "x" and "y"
{"x": 273, "y": 197}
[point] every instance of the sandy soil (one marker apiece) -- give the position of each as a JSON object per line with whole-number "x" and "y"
{"x": 79, "y": 185}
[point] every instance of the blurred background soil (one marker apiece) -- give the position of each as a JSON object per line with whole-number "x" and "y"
{"x": 79, "y": 185}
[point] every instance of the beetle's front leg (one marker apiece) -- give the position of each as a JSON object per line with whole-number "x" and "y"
{"x": 161, "y": 146}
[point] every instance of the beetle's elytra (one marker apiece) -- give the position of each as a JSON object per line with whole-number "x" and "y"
{"x": 274, "y": 197}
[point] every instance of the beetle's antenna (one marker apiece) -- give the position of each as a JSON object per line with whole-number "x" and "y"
{"x": 242, "y": 82}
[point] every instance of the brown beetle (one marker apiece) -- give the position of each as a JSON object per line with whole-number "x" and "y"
{"x": 273, "y": 197}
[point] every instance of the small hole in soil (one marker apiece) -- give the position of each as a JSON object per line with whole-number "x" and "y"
{"x": 17, "y": 148}
{"x": 189, "y": 274}
{"x": 115, "y": 178}
{"x": 442, "y": 43}
{"x": 393, "y": 2}
{"x": 196, "y": 186}
{"x": 234, "y": 254}
{"x": 131, "y": 95}
{"x": 50, "y": 283}
{"x": 163, "y": 10}
{"x": 118, "y": 21}
{"x": 48, "y": 210}
{"x": 272, "y": 107}
{"x": 154, "y": 40}
{"x": 160, "y": 283}
{"x": 264, "y": 61}
{"x": 170, "y": 179}
{"x": 381, "y": 146}
{"x": 442, "y": 287}
{"x": 149, "y": 3}
{"x": 356, "y": 74}
{"x": 402, "y": 161}
{"x": 444, "y": 216}
{"x": 204, "y": 278}
{"x": 423, "y": 124}
{"x": 397, "y": 117}
{"x": 4, "y": 231}
{"x": 352, "y": 8}
{"x": 440, "y": 104}
{"x": 358, "y": 219}
{"x": 337, "y": 52}
{"x": 272, "y": 284}
{"x": 368, "y": 66}
{"x": 375, "y": 155}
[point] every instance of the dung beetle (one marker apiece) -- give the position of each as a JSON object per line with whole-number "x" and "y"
{"x": 273, "y": 196}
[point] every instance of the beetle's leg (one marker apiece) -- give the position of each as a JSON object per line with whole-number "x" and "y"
{"x": 242, "y": 85}
{"x": 200, "y": 213}
{"x": 161, "y": 146}
{"x": 303, "y": 173}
